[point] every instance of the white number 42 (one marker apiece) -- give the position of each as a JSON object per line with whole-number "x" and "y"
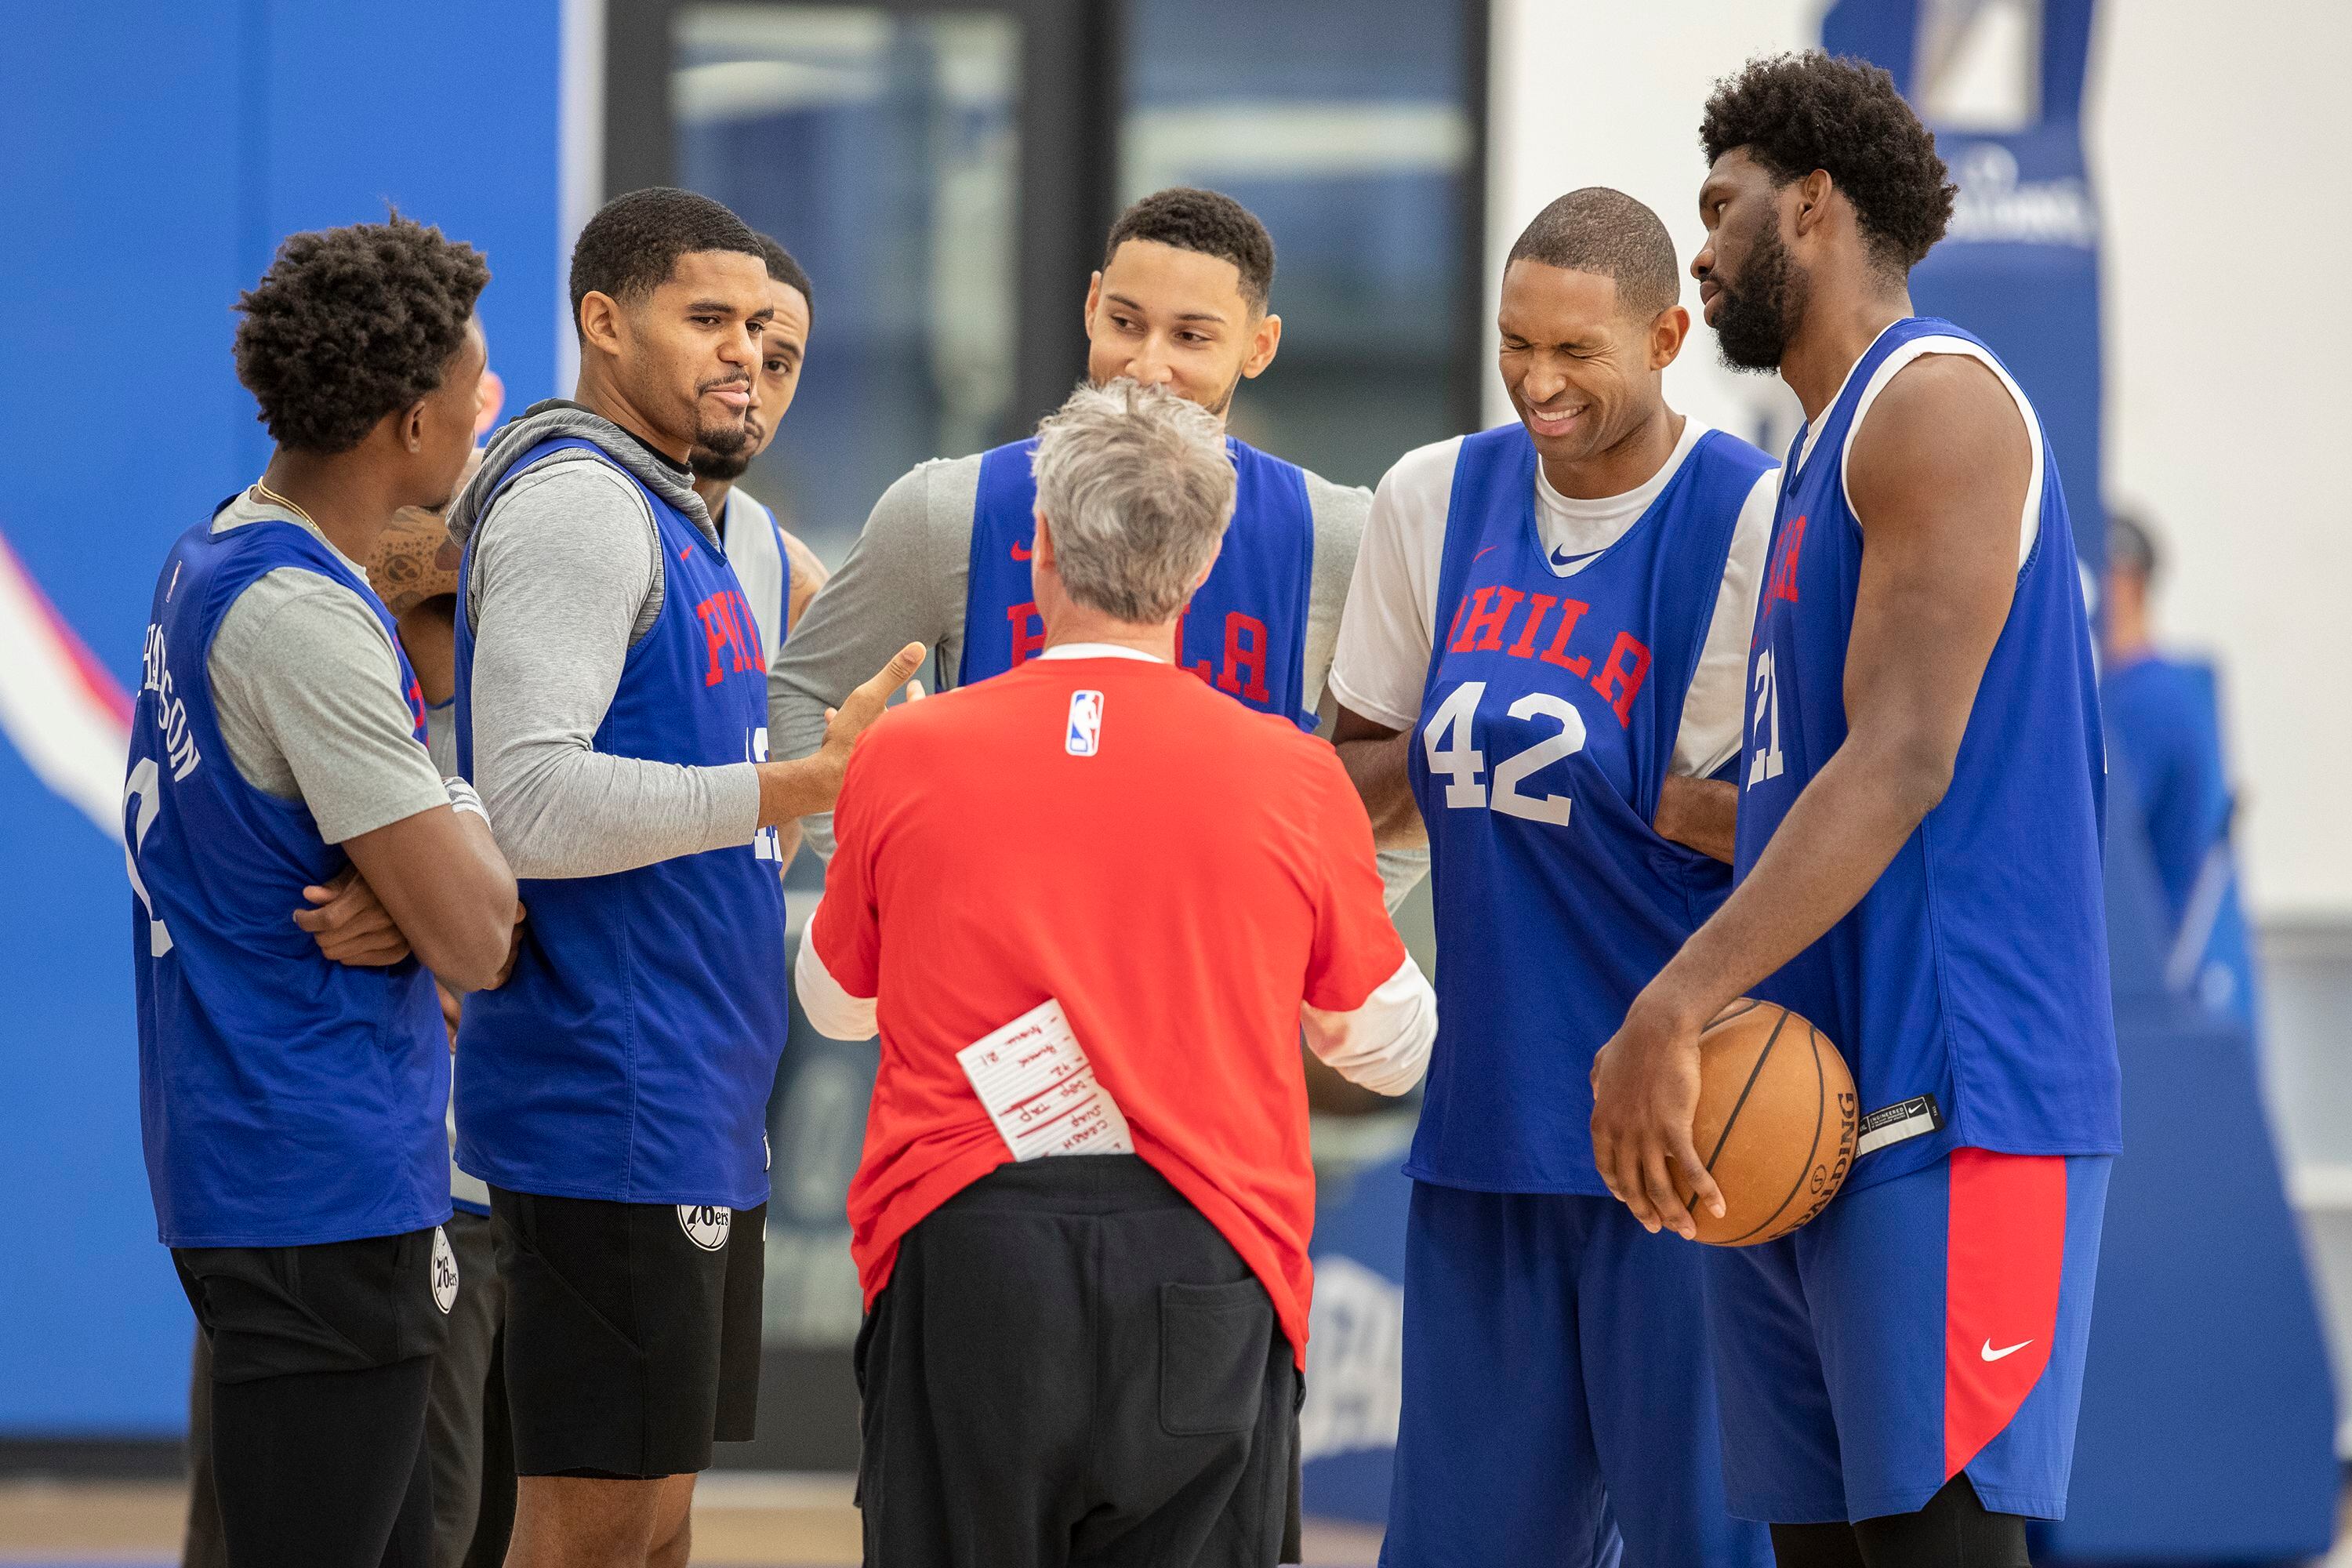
{"x": 1446, "y": 744}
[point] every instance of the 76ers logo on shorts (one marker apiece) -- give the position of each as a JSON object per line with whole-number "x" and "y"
{"x": 705, "y": 1224}
{"x": 1084, "y": 735}
{"x": 444, "y": 1272}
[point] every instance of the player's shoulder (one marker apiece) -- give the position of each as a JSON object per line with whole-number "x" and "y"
{"x": 1720, "y": 449}
{"x": 937, "y": 493}
{"x": 1424, "y": 472}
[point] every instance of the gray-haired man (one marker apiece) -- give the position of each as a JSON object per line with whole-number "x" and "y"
{"x": 1096, "y": 1359}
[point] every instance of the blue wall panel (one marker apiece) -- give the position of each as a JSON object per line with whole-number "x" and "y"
{"x": 151, "y": 156}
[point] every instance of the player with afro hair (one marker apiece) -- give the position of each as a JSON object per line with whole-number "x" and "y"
{"x": 351, "y": 324}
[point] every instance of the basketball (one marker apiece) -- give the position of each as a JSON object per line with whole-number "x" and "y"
{"x": 1776, "y": 1121}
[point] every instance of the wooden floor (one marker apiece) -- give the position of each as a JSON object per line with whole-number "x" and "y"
{"x": 773, "y": 1521}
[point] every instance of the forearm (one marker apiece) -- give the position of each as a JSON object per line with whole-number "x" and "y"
{"x": 564, "y": 809}
{"x": 440, "y": 878}
{"x": 1702, "y": 814}
{"x": 1837, "y": 838}
{"x": 1377, "y": 768}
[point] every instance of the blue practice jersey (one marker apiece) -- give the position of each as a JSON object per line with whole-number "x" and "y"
{"x": 630, "y": 1056}
{"x": 755, "y": 549}
{"x": 1245, "y": 631}
{"x": 1548, "y": 726}
{"x": 1968, "y": 989}
{"x": 285, "y": 1099}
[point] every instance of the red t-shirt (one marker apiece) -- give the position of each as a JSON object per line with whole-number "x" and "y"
{"x": 1180, "y": 891}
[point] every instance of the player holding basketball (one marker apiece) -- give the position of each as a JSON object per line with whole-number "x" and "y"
{"x": 1592, "y": 571}
{"x": 1918, "y": 873}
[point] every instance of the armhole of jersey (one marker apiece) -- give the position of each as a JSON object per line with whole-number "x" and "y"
{"x": 2030, "y": 526}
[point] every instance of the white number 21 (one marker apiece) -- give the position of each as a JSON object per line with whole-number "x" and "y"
{"x": 1767, "y": 760}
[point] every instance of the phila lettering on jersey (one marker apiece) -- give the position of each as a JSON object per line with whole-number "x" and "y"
{"x": 1548, "y": 727}
{"x": 1968, "y": 989}
{"x": 285, "y": 1099}
{"x": 1245, "y": 633}
{"x": 629, "y": 1056}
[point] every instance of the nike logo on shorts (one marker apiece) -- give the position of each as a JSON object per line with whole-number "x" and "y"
{"x": 1991, "y": 1354}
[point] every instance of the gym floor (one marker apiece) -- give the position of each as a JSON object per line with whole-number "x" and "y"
{"x": 768, "y": 1521}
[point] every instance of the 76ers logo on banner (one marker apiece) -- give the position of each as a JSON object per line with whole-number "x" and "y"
{"x": 1085, "y": 734}
{"x": 705, "y": 1224}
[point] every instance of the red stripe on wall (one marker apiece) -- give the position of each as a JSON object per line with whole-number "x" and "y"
{"x": 2007, "y": 1247}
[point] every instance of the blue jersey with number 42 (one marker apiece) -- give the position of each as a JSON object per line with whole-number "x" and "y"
{"x": 1968, "y": 988}
{"x": 1548, "y": 726}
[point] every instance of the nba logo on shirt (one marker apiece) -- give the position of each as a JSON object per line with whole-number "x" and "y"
{"x": 1084, "y": 732}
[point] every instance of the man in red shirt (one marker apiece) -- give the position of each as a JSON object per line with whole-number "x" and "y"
{"x": 1090, "y": 904}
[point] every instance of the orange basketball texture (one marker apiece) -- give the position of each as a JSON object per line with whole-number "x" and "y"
{"x": 1776, "y": 1122}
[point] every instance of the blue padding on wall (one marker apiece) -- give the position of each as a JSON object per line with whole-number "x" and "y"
{"x": 156, "y": 154}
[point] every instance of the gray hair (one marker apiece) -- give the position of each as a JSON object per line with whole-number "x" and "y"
{"x": 1138, "y": 487}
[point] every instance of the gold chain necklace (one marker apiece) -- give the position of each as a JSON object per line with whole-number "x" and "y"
{"x": 266, "y": 493}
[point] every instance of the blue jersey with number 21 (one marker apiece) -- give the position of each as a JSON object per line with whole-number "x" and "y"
{"x": 1548, "y": 726}
{"x": 1968, "y": 988}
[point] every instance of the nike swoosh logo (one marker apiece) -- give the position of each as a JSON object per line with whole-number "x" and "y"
{"x": 1021, "y": 552}
{"x": 1560, "y": 559}
{"x": 1482, "y": 552}
{"x": 685, "y": 552}
{"x": 1991, "y": 1354}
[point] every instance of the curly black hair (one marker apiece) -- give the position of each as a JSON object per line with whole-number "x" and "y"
{"x": 784, "y": 267}
{"x": 351, "y": 324}
{"x": 1797, "y": 112}
{"x": 632, "y": 244}
{"x": 1206, "y": 221}
{"x": 1608, "y": 233}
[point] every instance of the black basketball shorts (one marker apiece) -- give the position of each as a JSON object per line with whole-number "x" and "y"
{"x": 632, "y": 1333}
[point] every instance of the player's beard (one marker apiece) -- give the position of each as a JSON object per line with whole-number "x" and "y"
{"x": 710, "y": 463}
{"x": 1760, "y": 313}
{"x": 1224, "y": 399}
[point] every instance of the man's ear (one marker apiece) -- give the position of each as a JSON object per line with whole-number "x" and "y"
{"x": 411, "y": 430}
{"x": 1094, "y": 302}
{"x": 1041, "y": 548}
{"x": 1812, "y": 202}
{"x": 1212, "y": 566}
{"x": 1667, "y": 335}
{"x": 1264, "y": 341}
{"x": 600, "y": 321}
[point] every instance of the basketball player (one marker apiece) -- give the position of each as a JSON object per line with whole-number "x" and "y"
{"x": 778, "y": 573}
{"x": 1594, "y": 570}
{"x": 292, "y": 1079}
{"x": 1918, "y": 873}
{"x": 613, "y": 700}
{"x": 1182, "y": 301}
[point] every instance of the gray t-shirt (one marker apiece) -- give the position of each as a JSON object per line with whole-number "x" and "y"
{"x": 306, "y": 688}
{"x": 905, "y": 582}
{"x": 566, "y": 577}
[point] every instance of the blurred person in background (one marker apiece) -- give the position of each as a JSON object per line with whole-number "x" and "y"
{"x": 779, "y": 575}
{"x": 1097, "y": 1358}
{"x": 2164, "y": 712}
{"x": 294, "y": 1072}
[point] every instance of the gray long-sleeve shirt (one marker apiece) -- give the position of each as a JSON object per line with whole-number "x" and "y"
{"x": 905, "y": 582}
{"x": 566, "y": 578}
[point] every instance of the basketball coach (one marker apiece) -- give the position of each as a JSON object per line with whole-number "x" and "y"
{"x": 1090, "y": 903}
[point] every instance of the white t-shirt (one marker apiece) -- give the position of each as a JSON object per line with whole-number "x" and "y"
{"x": 1385, "y": 637}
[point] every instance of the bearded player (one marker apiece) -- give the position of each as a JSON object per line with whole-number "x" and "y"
{"x": 1918, "y": 873}
{"x": 1538, "y": 672}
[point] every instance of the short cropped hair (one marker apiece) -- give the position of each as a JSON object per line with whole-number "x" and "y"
{"x": 1209, "y": 222}
{"x": 785, "y": 269}
{"x": 1138, "y": 487}
{"x": 1610, "y": 234}
{"x": 632, "y": 244}
{"x": 1797, "y": 112}
{"x": 2131, "y": 548}
{"x": 351, "y": 324}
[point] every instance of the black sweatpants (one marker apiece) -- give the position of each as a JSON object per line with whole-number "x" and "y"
{"x": 1071, "y": 1369}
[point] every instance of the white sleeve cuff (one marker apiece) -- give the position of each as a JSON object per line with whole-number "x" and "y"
{"x": 831, "y": 1009}
{"x": 1384, "y": 1043}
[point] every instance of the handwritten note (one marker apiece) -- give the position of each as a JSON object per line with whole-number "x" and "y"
{"x": 1037, "y": 1084}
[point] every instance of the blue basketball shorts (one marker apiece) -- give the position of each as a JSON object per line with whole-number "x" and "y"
{"x": 1926, "y": 1325}
{"x": 1559, "y": 1410}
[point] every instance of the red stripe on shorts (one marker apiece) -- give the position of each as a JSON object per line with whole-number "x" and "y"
{"x": 2007, "y": 1238}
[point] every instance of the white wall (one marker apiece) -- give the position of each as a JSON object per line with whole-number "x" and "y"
{"x": 2210, "y": 139}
